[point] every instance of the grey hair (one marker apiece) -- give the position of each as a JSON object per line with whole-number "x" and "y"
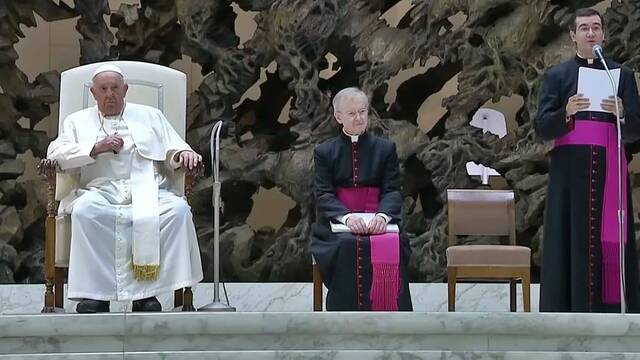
{"x": 348, "y": 93}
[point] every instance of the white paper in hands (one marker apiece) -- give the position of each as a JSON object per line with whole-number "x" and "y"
{"x": 367, "y": 217}
{"x": 595, "y": 85}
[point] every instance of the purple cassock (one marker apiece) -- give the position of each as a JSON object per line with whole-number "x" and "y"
{"x": 580, "y": 259}
{"x": 359, "y": 174}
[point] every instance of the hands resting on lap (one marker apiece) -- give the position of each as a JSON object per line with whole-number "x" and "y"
{"x": 356, "y": 224}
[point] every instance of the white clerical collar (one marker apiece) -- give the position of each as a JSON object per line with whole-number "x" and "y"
{"x": 354, "y": 138}
{"x": 589, "y": 60}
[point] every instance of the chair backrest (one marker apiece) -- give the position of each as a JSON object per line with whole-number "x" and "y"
{"x": 481, "y": 212}
{"x": 149, "y": 84}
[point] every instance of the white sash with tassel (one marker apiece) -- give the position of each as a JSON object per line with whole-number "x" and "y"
{"x": 146, "y": 219}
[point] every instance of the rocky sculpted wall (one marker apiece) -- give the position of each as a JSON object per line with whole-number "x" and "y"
{"x": 499, "y": 49}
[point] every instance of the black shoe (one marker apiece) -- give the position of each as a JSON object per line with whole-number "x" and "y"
{"x": 90, "y": 306}
{"x": 147, "y": 304}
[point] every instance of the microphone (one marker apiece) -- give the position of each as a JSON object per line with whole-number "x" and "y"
{"x": 597, "y": 52}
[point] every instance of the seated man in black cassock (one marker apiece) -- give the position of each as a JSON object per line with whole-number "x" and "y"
{"x": 356, "y": 172}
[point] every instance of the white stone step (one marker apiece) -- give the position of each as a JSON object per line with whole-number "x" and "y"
{"x": 329, "y": 355}
{"x": 255, "y": 335}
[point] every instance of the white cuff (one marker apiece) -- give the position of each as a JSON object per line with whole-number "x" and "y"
{"x": 343, "y": 219}
{"x": 386, "y": 217}
{"x": 76, "y": 158}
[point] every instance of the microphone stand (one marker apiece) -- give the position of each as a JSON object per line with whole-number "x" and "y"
{"x": 216, "y": 305}
{"x": 621, "y": 233}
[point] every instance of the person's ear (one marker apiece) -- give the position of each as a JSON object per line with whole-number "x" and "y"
{"x": 338, "y": 117}
{"x": 125, "y": 88}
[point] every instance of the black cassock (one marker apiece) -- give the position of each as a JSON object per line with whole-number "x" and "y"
{"x": 344, "y": 260}
{"x": 572, "y": 266}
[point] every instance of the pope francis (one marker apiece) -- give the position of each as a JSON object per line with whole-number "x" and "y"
{"x": 132, "y": 233}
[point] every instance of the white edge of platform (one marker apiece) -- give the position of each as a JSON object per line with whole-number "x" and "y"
{"x": 333, "y": 355}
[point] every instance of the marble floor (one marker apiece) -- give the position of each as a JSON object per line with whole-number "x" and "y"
{"x": 290, "y": 297}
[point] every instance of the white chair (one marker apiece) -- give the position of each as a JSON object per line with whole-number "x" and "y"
{"x": 149, "y": 84}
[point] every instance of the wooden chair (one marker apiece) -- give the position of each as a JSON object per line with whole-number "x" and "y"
{"x": 486, "y": 212}
{"x": 149, "y": 84}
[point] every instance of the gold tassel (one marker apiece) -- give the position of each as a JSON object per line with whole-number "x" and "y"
{"x": 145, "y": 272}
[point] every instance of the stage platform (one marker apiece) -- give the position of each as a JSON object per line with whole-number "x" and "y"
{"x": 246, "y": 335}
{"x": 275, "y": 322}
{"x": 290, "y": 297}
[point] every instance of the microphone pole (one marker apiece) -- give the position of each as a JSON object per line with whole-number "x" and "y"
{"x": 216, "y": 305}
{"x": 597, "y": 52}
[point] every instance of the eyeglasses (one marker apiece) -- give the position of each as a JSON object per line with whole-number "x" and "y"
{"x": 352, "y": 114}
{"x": 586, "y": 28}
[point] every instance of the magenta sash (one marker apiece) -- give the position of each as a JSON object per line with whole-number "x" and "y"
{"x": 604, "y": 134}
{"x": 385, "y": 250}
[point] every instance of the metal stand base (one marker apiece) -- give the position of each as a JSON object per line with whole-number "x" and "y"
{"x": 217, "y": 306}
{"x": 52, "y": 310}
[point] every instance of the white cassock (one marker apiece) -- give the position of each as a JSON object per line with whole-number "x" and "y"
{"x": 116, "y": 190}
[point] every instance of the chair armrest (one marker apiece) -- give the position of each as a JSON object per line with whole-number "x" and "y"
{"x": 190, "y": 178}
{"x": 47, "y": 169}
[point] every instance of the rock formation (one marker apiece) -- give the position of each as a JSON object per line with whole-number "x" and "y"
{"x": 499, "y": 49}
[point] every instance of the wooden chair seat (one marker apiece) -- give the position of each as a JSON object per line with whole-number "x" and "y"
{"x": 488, "y": 255}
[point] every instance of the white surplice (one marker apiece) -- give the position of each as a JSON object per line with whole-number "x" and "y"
{"x": 102, "y": 215}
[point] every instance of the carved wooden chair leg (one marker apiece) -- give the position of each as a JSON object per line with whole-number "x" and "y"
{"x": 187, "y": 295}
{"x": 49, "y": 299}
{"x": 47, "y": 169}
{"x": 49, "y": 270}
{"x": 188, "y": 300}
